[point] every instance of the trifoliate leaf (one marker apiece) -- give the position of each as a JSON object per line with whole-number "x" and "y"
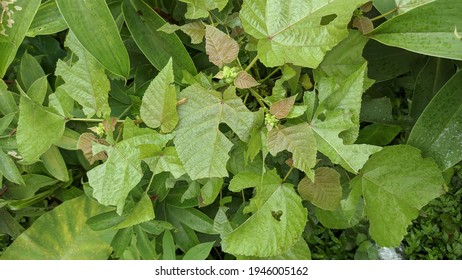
{"x": 115, "y": 178}
{"x": 38, "y": 129}
{"x": 297, "y": 31}
{"x": 245, "y": 80}
{"x": 277, "y": 222}
{"x": 396, "y": 183}
{"x": 200, "y": 144}
{"x": 142, "y": 212}
{"x": 300, "y": 141}
{"x": 220, "y": 48}
{"x": 200, "y": 8}
{"x": 158, "y": 107}
{"x": 85, "y": 80}
{"x": 325, "y": 192}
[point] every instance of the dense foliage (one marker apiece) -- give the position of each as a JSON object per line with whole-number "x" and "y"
{"x": 223, "y": 129}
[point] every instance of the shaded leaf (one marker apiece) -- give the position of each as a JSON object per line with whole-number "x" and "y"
{"x": 85, "y": 143}
{"x": 220, "y": 48}
{"x": 363, "y": 24}
{"x": 55, "y": 164}
{"x": 325, "y": 192}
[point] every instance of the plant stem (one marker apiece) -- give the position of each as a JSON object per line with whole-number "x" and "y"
{"x": 270, "y": 75}
{"x": 288, "y": 173}
{"x": 258, "y": 97}
{"x": 252, "y": 63}
{"x": 88, "y": 120}
{"x": 385, "y": 14}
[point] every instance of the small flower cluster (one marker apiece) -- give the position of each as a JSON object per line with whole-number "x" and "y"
{"x": 7, "y": 15}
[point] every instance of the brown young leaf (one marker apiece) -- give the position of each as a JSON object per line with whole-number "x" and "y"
{"x": 281, "y": 108}
{"x": 220, "y": 47}
{"x": 245, "y": 80}
{"x": 325, "y": 192}
{"x": 85, "y": 144}
{"x": 364, "y": 24}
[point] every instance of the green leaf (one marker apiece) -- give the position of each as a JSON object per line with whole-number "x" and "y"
{"x": 168, "y": 246}
{"x": 69, "y": 237}
{"x": 115, "y": 178}
{"x": 200, "y": 8}
{"x": 7, "y": 102}
{"x": 22, "y": 19}
{"x": 434, "y": 36}
{"x": 201, "y": 146}
{"x": 378, "y": 134}
{"x": 9, "y": 225}
{"x": 142, "y": 212}
{"x": 300, "y": 141}
{"x": 143, "y": 23}
{"x": 55, "y": 164}
{"x": 396, "y": 183}
{"x": 277, "y": 222}
{"x": 95, "y": 28}
{"x": 210, "y": 191}
{"x": 220, "y": 47}
{"x": 38, "y": 90}
{"x": 29, "y": 71}
{"x": 5, "y": 121}
{"x": 407, "y": 5}
{"x": 47, "y": 21}
{"x": 325, "y": 191}
{"x": 85, "y": 81}
{"x": 158, "y": 107}
{"x": 9, "y": 169}
{"x": 296, "y": 31}
{"x": 195, "y": 30}
{"x": 244, "y": 180}
{"x": 438, "y": 132}
{"x": 193, "y": 218}
{"x": 166, "y": 160}
{"x": 199, "y": 252}
{"x": 47, "y": 129}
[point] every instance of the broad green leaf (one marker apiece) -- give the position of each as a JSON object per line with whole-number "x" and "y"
{"x": 166, "y": 160}
{"x": 55, "y": 164}
{"x": 5, "y": 121}
{"x": 438, "y": 131}
{"x": 433, "y": 36}
{"x": 296, "y": 31}
{"x": 146, "y": 247}
{"x": 69, "y": 140}
{"x": 47, "y": 129}
{"x": 143, "y": 23}
{"x": 85, "y": 80}
{"x": 121, "y": 241}
{"x": 9, "y": 169}
{"x": 158, "y": 108}
{"x": 32, "y": 184}
{"x": 200, "y": 8}
{"x": 396, "y": 183}
{"x": 9, "y": 225}
{"x": 244, "y": 180}
{"x": 377, "y": 110}
{"x": 61, "y": 102}
{"x": 69, "y": 237}
{"x": 7, "y": 102}
{"x": 104, "y": 220}
{"x": 115, "y": 178}
{"x": 300, "y": 141}
{"x": 47, "y": 21}
{"x": 38, "y": 90}
{"x": 299, "y": 251}
{"x": 325, "y": 191}
{"x": 348, "y": 214}
{"x": 351, "y": 157}
{"x": 220, "y": 47}
{"x": 94, "y": 27}
{"x": 276, "y": 224}
{"x": 142, "y": 212}
{"x": 407, "y": 5}
{"x": 199, "y": 252}
{"x": 201, "y": 146}
{"x": 29, "y": 71}
{"x": 15, "y": 35}
{"x": 168, "y": 246}
{"x": 431, "y": 78}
